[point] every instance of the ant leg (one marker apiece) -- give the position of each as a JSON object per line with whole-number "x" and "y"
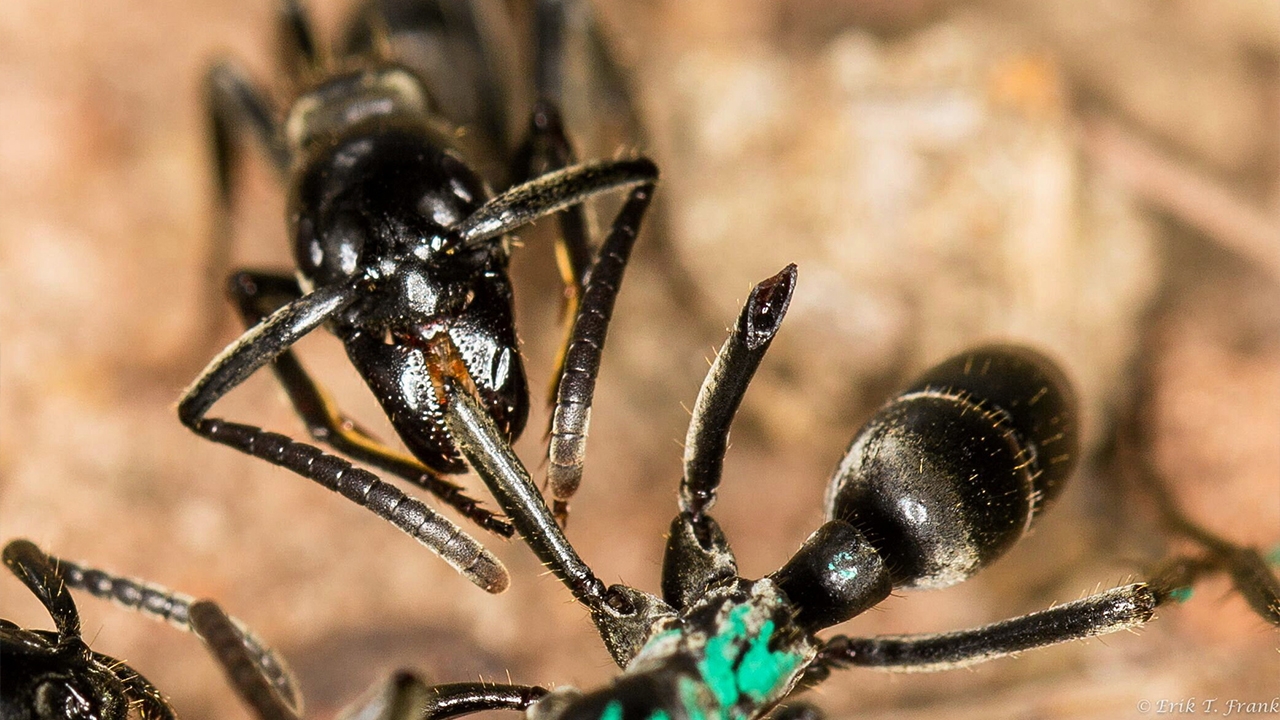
{"x": 299, "y": 52}
{"x": 262, "y": 344}
{"x": 542, "y": 196}
{"x": 568, "y": 36}
{"x": 546, "y": 150}
{"x": 45, "y": 577}
{"x": 234, "y": 107}
{"x": 228, "y": 647}
{"x": 549, "y": 193}
{"x": 174, "y": 608}
{"x": 258, "y": 295}
{"x": 1117, "y": 609}
{"x": 557, "y": 24}
{"x": 1256, "y": 582}
{"x": 578, "y": 74}
{"x": 496, "y": 463}
{"x": 623, "y": 615}
{"x": 39, "y": 573}
{"x": 572, "y": 415}
{"x": 406, "y": 697}
{"x": 549, "y": 21}
{"x": 1247, "y": 568}
{"x": 796, "y": 711}
{"x": 697, "y": 553}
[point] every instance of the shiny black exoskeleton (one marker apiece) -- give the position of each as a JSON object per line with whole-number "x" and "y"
{"x": 402, "y": 252}
{"x": 938, "y": 484}
{"x": 946, "y": 477}
{"x": 377, "y": 203}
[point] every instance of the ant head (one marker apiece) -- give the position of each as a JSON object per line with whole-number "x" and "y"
{"x": 950, "y": 473}
{"x": 50, "y": 676}
{"x": 379, "y": 206}
{"x": 371, "y": 202}
{"x": 44, "y": 681}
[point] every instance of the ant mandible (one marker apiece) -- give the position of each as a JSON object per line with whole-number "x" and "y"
{"x": 399, "y": 246}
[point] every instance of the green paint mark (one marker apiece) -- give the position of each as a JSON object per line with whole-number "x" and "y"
{"x": 842, "y": 566}
{"x": 1273, "y": 557}
{"x": 737, "y": 664}
{"x": 612, "y": 711}
{"x": 659, "y": 715}
{"x": 839, "y": 560}
{"x": 717, "y": 664}
{"x": 1181, "y": 594}
{"x": 763, "y": 670}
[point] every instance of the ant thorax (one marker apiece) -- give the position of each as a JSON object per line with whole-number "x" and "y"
{"x": 733, "y": 655}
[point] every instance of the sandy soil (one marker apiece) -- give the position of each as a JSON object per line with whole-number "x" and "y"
{"x": 943, "y": 173}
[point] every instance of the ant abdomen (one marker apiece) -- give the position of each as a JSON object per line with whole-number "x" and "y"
{"x": 950, "y": 473}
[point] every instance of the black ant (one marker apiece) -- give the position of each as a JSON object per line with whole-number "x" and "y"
{"x": 400, "y": 245}
{"x": 938, "y": 484}
{"x": 55, "y": 676}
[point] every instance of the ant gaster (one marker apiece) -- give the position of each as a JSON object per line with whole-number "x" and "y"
{"x": 399, "y": 248}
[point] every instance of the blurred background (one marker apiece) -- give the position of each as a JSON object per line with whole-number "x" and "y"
{"x": 1098, "y": 179}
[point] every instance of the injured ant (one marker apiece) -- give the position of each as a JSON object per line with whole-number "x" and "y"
{"x": 942, "y": 480}
{"x": 55, "y": 676}
{"x": 398, "y": 243}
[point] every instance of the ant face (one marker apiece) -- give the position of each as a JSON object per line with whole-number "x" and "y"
{"x": 397, "y": 364}
{"x": 378, "y": 205}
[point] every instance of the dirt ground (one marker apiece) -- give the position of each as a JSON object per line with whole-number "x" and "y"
{"x": 1098, "y": 179}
